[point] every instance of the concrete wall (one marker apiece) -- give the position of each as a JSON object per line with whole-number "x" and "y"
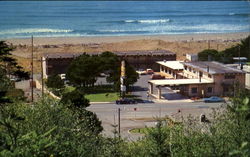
{"x": 221, "y": 83}
{"x": 60, "y": 65}
{"x": 246, "y": 69}
{"x": 202, "y": 90}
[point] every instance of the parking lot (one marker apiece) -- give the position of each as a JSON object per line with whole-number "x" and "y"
{"x": 141, "y": 90}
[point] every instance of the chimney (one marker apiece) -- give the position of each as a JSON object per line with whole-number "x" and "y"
{"x": 208, "y": 69}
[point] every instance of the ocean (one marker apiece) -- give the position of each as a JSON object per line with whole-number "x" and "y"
{"x": 21, "y": 19}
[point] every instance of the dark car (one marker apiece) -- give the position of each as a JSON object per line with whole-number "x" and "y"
{"x": 126, "y": 101}
{"x": 214, "y": 99}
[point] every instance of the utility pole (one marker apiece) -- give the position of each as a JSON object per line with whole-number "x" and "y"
{"x": 42, "y": 76}
{"x": 122, "y": 79}
{"x": 32, "y": 79}
{"x": 239, "y": 57}
{"x": 119, "y": 122}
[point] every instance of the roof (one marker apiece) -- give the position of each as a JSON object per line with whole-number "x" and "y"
{"x": 176, "y": 65}
{"x": 214, "y": 67}
{"x": 122, "y": 53}
{"x": 179, "y": 82}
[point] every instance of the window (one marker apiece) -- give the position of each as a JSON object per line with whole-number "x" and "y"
{"x": 194, "y": 90}
{"x": 189, "y": 69}
{"x": 185, "y": 67}
{"x": 200, "y": 74}
{"x": 225, "y": 89}
{"x": 229, "y": 76}
{"x": 210, "y": 76}
{"x": 209, "y": 89}
{"x": 194, "y": 71}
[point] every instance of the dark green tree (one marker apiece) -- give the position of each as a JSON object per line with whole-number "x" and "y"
{"x": 9, "y": 64}
{"x": 56, "y": 84}
{"x": 75, "y": 99}
{"x": 209, "y": 55}
{"x": 245, "y": 48}
{"x": 157, "y": 141}
{"x": 131, "y": 76}
{"x": 110, "y": 62}
{"x": 55, "y": 81}
{"x": 5, "y": 86}
{"x": 84, "y": 70}
{"x": 88, "y": 120}
{"x": 242, "y": 49}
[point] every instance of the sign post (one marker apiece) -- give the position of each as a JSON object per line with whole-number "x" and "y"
{"x": 122, "y": 79}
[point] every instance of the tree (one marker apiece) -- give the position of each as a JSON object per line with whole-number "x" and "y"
{"x": 242, "y": 49}
{"x": 110, "y": 62}
{"x": 75, "y": 99}
{"x": 131, "y": 76}
{"x": 245, "y": 48}
{"x": 84, "y": 70}
{"x": 47, "y": 128}
{"x": 9, "y": 64}
{"x": 157, "y": 141}
{"x": 5, "y": 85}
{"x": 55, "y": 81}
{"x": 56, "y": 84}
{"x": 209, "y": 55}
{"x": 89, "y": 121}
{"x": 112, "y": 66}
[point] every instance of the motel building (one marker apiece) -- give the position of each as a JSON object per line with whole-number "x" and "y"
{"x": 197, "y": 79}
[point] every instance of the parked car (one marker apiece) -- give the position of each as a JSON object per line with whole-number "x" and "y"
{"x": 126, "y": 101}
{"x": 157, "y": 76}
{"x": 214, "y": 99}
{"x": 141, "y": 72}
{"x": 150, "y": 71}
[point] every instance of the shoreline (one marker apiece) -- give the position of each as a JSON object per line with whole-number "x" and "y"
{"x": 115, "y": 39}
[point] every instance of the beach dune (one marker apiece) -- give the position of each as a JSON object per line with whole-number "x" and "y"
{"x": 179, "y": 44}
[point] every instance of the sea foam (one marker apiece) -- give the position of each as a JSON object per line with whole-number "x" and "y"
{"x": 148, "y": 21}
{"x": 34, "y": 30}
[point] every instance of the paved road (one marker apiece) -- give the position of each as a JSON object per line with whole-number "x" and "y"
{"x": 130, "y": 118}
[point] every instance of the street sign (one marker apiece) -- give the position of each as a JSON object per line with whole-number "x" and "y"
{"x": 123, "y": 88}
{"x": 122, "y": 80}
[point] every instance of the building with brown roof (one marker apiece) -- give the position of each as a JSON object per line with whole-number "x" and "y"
{"x": 58, "y": 63}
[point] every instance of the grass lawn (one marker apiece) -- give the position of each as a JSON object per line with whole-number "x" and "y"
{"x": 102, "y": 97}
{"x": 141, "y": 130}
{"x": 103, "y": 93}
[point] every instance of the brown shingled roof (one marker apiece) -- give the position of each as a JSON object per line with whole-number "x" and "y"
{"x": 128, "y": 53}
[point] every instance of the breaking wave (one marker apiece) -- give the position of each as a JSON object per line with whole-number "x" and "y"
{"x": 148, "y": 21}
{"x": 34, "y": 30}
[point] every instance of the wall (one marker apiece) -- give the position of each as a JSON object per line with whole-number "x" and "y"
{"x": 246, "y": 68}
{"x": 220, "y": 82}
{"x": 60, "y": 65}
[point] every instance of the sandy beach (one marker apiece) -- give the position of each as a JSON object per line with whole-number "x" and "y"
{"x": 115, "y": 39}
{"x": 179, "y": 44}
